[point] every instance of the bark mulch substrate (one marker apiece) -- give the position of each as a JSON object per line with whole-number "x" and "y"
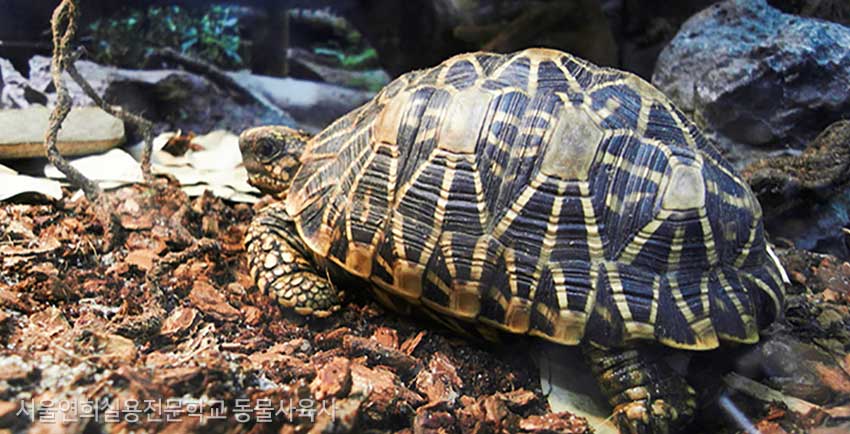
{"x": 167, "y": 332}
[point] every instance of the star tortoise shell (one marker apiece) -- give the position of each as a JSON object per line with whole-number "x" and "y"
{"x": 537, "y": 193}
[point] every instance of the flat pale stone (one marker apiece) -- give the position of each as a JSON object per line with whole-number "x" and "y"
{"x": 566, "y": 376}
{"x": 86, "y": 130}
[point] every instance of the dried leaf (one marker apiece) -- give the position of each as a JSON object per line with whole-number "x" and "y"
{"x": 12, "y": 185}
{"x": 216, "y": 166}
{"x": 110, "y": 170}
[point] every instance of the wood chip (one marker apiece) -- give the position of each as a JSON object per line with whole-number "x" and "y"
{"x": 386, "y": 336}
{"x": 179, "y": 321}
{"x": 409, "y": 345}
{"x": 211, "y": 302}
{"x": 333, "y": 379}
{"x": 144, "y": 259}
{"x": 554, "y": 423}
{"x": 379, "y": 354}
{"x": 439, "y": 382}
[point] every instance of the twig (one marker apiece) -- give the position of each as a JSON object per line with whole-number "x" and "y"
{"x": 145, "y": 126}
{"x": 173, "y": 259}
{"x": 763, "y": 393}
{"x": 218, "y": 77}
{"x": 63, "y": 25}
{"x": 407, "y": 366}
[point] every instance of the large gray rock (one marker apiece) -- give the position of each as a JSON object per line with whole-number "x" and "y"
{"x": 756, "y": 76}
{"x": 172, "y": 99}
{"x": 86, "y": 130}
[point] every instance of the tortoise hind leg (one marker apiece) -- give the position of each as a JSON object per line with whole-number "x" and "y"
{"x": 647, "y": 395}
{"x": 281, "y": 265}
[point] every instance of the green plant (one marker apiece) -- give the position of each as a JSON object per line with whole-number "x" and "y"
{"x": 211, "y": 34}
{"x": 364, "y": 59}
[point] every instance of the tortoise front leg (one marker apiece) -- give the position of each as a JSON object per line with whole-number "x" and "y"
{"x": 647, "y": 395}
{"x": 280, "y": 265}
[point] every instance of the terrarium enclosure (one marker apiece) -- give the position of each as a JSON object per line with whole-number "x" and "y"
{"x": 462, "y": 216}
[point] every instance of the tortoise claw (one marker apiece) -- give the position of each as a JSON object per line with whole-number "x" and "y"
{"x": 306, "y": 293}
{"x": 641, "y": 417}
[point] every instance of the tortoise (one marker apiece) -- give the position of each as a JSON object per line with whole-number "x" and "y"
{"x": 531, "y": 193}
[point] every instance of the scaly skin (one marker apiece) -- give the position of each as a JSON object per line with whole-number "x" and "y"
{"x": 647, "y": 395}
{"x": 282, "y": 267}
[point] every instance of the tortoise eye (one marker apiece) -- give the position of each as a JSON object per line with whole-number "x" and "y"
{"x": 267, "y": 149}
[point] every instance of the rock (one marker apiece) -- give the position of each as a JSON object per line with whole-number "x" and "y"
{"x": 12, "y": 185}
{"x": 15, "y": 92}
{"x": 642, "y": 28}
{"x": 86, "y": 130}
{"x": 823, "y": 166}
{"x": 796, "y": 367}
{"x": 313, "y": 105}
{"x": 173, "y": 99}
{"x": 313, "y": 67}
{"x": 806, "y": 198}
{"x": 832, "y": 10}
{"x": 756, "y": 77}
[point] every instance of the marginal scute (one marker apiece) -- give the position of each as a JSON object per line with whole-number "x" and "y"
{"x": 462, "y": 121}
{"x": 358, "y": 261}
{"x": 518, "y": 315}
{"x": 466, "y": 301}
{"x": 568, "y": 328}
{"x": 408, "y": 278}
{"x": 685, "y": 189}
{"x": 571, "y": 145}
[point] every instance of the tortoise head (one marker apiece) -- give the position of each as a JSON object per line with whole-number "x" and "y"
{"x": 271, "y": 155}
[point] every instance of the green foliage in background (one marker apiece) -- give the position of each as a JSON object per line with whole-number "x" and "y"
{"x": 211, "y": 35}
{"x": 367, "y": 58}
